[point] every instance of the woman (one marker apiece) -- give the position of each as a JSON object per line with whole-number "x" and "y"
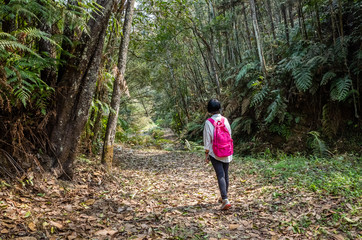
{"x": 220, "y": 164}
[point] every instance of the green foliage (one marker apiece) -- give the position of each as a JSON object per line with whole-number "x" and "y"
{"x": 338, "y": 176}
{"x": 259, "y": 96}
{"x": 277, "y": 108}
{"x": 318, "y": 146}
{"x": 340, "y": 89}
{"x": 303, "y": 78}
{"x": 327, "y": 77}
{"x": 244, "y": 71}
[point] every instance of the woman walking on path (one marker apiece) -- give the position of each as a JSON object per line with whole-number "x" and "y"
{"x": 219, "y": 151}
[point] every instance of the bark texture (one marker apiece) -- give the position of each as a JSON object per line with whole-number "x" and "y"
{"x": 107, "y": 155}
{"x": 75, "y": 89}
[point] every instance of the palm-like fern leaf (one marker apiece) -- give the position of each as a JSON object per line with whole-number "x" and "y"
{"x": 303, "y": 78}
{"x": 340, "y": 89}
{"x": 318, "y": 145}
{"x": 326, "y": 77}
{"x": 259, "y": 96}
{"x": 277, "y": 108}
{"x": 244, "y": 70}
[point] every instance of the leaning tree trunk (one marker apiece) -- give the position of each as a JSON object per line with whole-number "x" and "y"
{"x": 257, "y": 38}
{"x": 75, "y": 90}
{"x": 107, "y": 155}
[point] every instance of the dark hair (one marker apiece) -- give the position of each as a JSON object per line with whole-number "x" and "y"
{"x": 213, "y": 106}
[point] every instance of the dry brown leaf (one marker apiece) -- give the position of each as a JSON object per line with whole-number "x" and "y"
{"x": 72, "y": 236}
{"x": 234, "y": 226}
{"x": 106, "y": 232}
{"x": 90, "y": 201}
{"x": 338, "y": 237}
{"x": 57, "y": 225}
{"x": 32, "y": 226}
{"x": 25, "y": 238}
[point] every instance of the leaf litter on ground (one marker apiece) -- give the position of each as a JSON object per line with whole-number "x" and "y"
{"x": 157, "y": 194}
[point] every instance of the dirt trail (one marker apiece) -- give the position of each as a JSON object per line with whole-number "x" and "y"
{"x": 156, "y": 194}
{"x": 179, "y": 191}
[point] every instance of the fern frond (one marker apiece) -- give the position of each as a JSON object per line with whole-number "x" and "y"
{"x": 35, "y": 33}
{"x": 316, "y": 61}
{"x": 7, "y": 35}
{"x": 340, "y": 89}
{"x": 328, "y": 124}
{"x": 23, "y": 94}
{"x": 244, "y": 70}
{"x": 246, "y": 125}
{"x": 277, "y": 108}
{"x": 235, "y": 124}
{"x": 15, "y": 45}
{"x": 231, "y": 107}
{"x": 259, "y": 96}
{"x": 19, "y": 8}
{"x": 326, "y": 77}
{"x": 245, "y": 105}
{"x": 293, "y": 63}
{"x": 303, "y": 78}
{"x": 318, "y": 145}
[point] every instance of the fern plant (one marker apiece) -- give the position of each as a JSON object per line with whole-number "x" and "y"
{"x": 318, "y": 146}
{"x": 340, "y": 88}
{"x": 278, "y": 108}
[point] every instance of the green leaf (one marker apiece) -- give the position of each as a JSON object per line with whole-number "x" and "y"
{"x": 327, "y": 77}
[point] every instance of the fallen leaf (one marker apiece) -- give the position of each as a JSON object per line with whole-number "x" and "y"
{"x": 233, "y": 226}
{"x": 90, "y": 202}
{"x": 106, "y": 232}
{"x": 72, "y": 236}
{"x": 32, "y": 226}
{"x": 57, "y": 225}
{"x": 68, "y": 208}
{"x": 338, "y": 237}
{"x": 25, "y": 238}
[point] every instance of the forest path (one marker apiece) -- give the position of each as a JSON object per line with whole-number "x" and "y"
{"x": 173, "y": 195}
{"x": 158, "y": 194}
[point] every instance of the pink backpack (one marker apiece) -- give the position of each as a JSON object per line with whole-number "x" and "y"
{"x": 222, "y": 145}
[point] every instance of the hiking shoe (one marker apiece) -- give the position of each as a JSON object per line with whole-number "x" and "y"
{"x": 225, "y": 204}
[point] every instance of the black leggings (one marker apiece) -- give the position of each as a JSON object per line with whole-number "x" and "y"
{"x": 222, "y": 173}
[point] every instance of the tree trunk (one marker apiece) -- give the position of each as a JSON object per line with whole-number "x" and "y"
{"x": 284, "y": 13}
{"x": 257, "y": 37}
{"x": 270, "y": 13}
{"x": 107, "y": 155}
{"x": 340, "y": 18}
{"x": 290, "y": 11}
{"x": 301, "y": 19}
{"x": 247, "y": 26}
{"x": 319, "y": 29}
{"x": 75, "y": 91}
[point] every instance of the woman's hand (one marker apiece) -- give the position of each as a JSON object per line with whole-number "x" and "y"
{"x": 207, "y": 159}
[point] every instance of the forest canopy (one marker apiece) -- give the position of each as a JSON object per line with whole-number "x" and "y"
{"x": 287, "y": 74}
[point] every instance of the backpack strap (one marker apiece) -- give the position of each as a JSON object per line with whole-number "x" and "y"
{"x": 212, "y": 121}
